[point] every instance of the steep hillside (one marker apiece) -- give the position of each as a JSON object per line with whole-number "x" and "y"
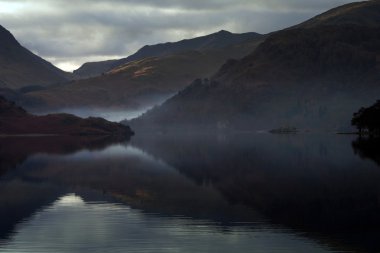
{"x": 313, "y": 77}
{"x": 139, "y": 83}
{"x": 19, "y": 67}
{"x": 217, "y": 40}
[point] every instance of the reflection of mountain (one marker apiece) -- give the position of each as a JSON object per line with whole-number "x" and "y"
{"x": 314, "y": 75}
{"x": 312, "y": 183}
{"x": 15, "y": 150}
{"x": 137, "y": 179}
{"x": 121, "y": 172}
{"x": 20, "y": 198}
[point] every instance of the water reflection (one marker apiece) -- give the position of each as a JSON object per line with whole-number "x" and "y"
{"x": 20, "y": 197}
{"x": 15, "y": 150}
{"x": 309, "y": 185}
{"x": 104, "y": 227}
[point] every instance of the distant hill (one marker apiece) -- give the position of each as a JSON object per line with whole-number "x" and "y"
{"x": 16, "y": 121}
{"x": 145, "y": 82}
{"x": 314, "y": 75}
{"x": 19, "y": 67}
{"x": 93, "y": 69}
{"x": 217, "y": 40}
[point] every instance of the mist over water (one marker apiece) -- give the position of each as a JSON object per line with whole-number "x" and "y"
{"x": 112, "y": 113}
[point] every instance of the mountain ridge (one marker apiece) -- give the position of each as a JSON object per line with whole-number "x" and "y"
{"x": 19, "y": 67}
{"x": 216, "y": 40}
{"x": 140, "y": 83}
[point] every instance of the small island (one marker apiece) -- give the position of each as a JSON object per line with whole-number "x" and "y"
{"x": 284, "y": 130}
{"x": 14, "y": 120}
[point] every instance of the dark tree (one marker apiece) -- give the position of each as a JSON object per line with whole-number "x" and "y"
{"x": 367, "y": 120}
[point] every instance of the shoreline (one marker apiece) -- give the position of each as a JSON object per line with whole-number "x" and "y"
{"x": 27, "y": 135}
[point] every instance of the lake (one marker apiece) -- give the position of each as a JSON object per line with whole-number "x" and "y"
{"x": 190, "y": 193}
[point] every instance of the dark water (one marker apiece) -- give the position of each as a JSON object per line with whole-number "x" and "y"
{"x": 192, "y": 193}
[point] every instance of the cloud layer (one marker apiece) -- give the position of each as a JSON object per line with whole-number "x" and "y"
{"x": 70, "y": 33}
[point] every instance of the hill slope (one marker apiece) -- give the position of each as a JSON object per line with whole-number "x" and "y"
{"x": 19, "y": 67}
{"x": 308, "y": 76}
{"x": 217, "y": 40}
{"x": 139, "y": 83}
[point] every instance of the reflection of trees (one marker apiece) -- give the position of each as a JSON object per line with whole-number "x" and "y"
{"x": 368, "y": 148}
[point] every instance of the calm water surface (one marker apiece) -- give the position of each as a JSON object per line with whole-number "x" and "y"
{"x": 198, "y": 193}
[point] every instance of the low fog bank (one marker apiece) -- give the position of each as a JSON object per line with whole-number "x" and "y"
{"x": 110, "y": 114}
{"x": 111, "y": 109}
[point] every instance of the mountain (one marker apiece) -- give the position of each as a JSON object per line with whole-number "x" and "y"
{"x": 19, "y": 67}
{"x": 359, "y": 13}
{"x": 308, "y": 76}
{"x": 16, "y": 121}
{"x": 217, "y": 40}
{"x": 140, "y": 83}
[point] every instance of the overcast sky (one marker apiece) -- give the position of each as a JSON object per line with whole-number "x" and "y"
{"x": 69, "y": 33}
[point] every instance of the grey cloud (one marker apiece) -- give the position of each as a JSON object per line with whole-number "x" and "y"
{"x": 181, "y": 4}
{"x": 88, "y": 29}
{"x": 199, "y": 4}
